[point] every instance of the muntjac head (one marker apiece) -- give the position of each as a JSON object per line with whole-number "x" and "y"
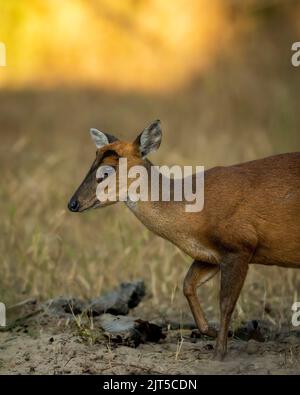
{"x": 107, "y": 165}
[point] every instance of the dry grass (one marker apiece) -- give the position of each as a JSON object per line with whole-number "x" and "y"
{"x": 245, "y": 107}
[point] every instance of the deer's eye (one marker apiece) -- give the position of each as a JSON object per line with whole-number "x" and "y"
{"x": 104, "y": 172}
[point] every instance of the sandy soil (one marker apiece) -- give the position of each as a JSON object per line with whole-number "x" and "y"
{"x": 49, "y": 346}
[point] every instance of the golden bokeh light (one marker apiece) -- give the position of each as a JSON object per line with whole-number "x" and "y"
{"x": 128, "y": 44}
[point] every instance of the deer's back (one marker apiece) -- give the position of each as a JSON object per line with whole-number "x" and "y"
{"x": 257, "y": 204}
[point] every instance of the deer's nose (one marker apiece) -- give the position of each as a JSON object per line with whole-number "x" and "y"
{"x": 73, "y": 205}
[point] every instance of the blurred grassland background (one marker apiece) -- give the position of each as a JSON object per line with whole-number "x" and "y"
{"x": 219, "y": 76}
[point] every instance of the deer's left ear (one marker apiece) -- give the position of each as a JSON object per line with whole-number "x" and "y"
{"x": 150, "y": 138}
{"x": 101, "y": 139}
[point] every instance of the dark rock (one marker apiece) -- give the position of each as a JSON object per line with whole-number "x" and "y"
{"x": 208, "y": 347}
{"x": 61, "y": 306}
{"x": 129, "y": 331}
{"x": 150, "y": 332}
{"x": 252, "y": 330}
{"x": 119, "y": 301}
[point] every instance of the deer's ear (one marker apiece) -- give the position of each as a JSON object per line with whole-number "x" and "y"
{"x": 150, "y": 138}
{"x": 101, "y": 139}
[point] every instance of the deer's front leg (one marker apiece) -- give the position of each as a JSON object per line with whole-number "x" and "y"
{"x": 198, "y": 274}
{"x": 233, "y": 273}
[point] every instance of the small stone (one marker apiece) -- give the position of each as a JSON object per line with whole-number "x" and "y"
{"x": 208, "y": 347}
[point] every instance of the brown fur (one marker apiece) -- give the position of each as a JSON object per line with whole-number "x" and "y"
{"x": 251, "y": 215}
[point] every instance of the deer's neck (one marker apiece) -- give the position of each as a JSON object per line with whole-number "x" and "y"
{"x": 153, "y": 214}
{"x": 170, "y": 220}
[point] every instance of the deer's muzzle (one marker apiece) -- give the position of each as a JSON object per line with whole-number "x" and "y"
{"x": 73, "y": 205}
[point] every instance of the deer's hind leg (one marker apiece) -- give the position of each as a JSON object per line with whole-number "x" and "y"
{"x": 198, "y": 274}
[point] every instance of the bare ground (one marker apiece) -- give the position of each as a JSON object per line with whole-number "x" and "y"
{"x": 45, "y": 345}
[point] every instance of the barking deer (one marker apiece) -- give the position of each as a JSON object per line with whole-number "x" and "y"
{"x": 251, "y": 214}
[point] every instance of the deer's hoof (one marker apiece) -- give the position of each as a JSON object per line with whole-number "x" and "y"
{"x": 211, "y": 332}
